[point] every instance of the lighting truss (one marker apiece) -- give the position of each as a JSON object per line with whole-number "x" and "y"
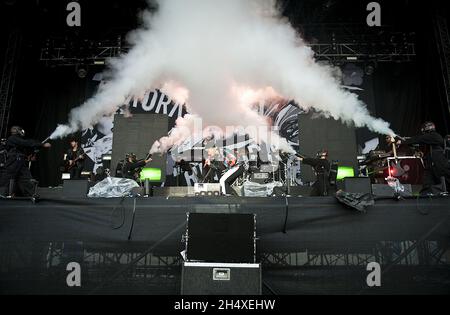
{"x": 335, "y": 48}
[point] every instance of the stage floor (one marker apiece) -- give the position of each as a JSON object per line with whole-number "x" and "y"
{"x": 326, "y": 247}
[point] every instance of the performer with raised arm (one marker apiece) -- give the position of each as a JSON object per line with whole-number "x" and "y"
{"x": 132, "y": 166}
{"x": 17, "y": 173}
{"x": 436, "y": 164}
{"x": 321, "y": 166}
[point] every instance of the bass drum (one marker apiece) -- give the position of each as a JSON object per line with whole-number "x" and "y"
{"x": 407, "y": 171}
{"x": 410, "y": 171}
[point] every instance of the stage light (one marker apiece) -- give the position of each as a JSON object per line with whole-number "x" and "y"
{"x": 106, "y": 161}
{"x": 345, "y": 171}
{"x": 81, "y": 71}
{"x": 86, "y": 174}
{"x": 151, "y": 174}
{"x": 370, "y": 68}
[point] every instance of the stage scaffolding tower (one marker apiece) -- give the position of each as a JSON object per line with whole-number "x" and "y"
{"x": 443, "y": 46}
{"x": 8, "y": 78}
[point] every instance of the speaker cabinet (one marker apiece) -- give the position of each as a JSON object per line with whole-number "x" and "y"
{"x": 384, "y": 190}
{"x": 75, "y": 188}
{"x": 360, "y": 185}
{"x": 222, "y": 238}
{"x": 220, "y": 279}
{"x": 173, "y": 191}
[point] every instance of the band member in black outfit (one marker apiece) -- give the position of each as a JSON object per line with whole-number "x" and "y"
{"x": 132, "y": 166}
{"x": 321, "y": 166}
{"x": 17, "y": 164}
{"x": 237, "y": 163}
{"x": 75, "y": 158}
{"x": 435, "y": 163}
{"x": 213, "y": 166}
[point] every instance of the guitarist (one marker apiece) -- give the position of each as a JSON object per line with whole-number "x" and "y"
{"x": 75, "y": 157}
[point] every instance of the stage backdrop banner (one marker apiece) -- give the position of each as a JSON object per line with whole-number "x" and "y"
{"x": 98, "y": 141}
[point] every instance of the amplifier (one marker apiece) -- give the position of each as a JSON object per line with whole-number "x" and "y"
{"x": 75, "y": 188}
{"x": 268, "y": 168}
{"x": 207, "y": 189}
{"x": 173, "y": 191}
{"x": 260, "y": 177}
{"x": 384, "y": 190}
{"x": 220, "y": 279}
{"x": 360, "y": 185}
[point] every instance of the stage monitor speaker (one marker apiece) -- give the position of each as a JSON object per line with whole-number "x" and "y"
{"x": 136, "y": 135}
{"x": 360, "y": 185}
{"x": 173, "y": 191}
{"x": 317, "y": 133}
{"x": 384, "y": 190}
{"x": 218, "y": 237}
{"x": 75, "y": 188}
{"x": 220, "y": 279}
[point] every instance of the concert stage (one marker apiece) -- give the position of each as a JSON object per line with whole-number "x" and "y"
{"x": 325, "y": 249}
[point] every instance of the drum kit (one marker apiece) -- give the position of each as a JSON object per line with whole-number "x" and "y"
{"x": 262, "y": 173}
{"x": 379, "y": 166}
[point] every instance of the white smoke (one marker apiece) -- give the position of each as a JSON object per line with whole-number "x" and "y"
{"x": 220, "y": 57}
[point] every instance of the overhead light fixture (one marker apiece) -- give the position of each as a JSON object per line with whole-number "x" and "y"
{"x": 369, "y": 69}
{"x": 81, "y": 71}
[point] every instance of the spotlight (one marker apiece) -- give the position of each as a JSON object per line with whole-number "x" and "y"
{"x": 81, "y": 71}
{"x": 370, "y": 68}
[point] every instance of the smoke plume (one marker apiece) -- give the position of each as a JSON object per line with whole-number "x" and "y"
{"x": 220, "y": 57}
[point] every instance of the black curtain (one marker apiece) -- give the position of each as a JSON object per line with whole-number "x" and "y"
{"x": 433, "y": 97}
{"x": 62, "y": 91}
{"x": 397, "y": 96}
{"x": 43, "y": 99}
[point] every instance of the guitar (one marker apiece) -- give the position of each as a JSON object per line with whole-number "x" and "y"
{"x": 74, "y": 162}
